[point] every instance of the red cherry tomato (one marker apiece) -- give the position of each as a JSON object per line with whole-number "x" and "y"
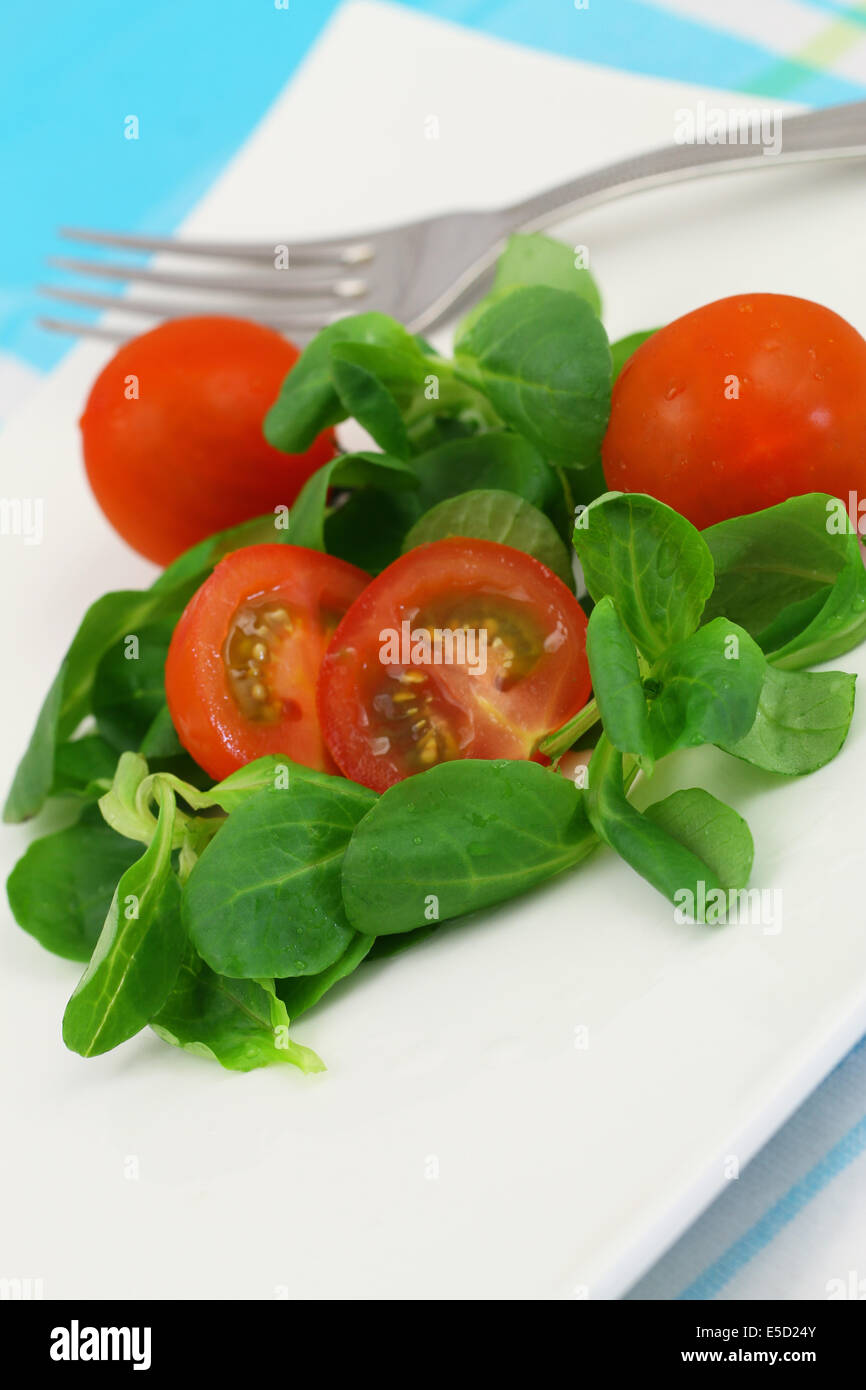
{"x": 391, "y": 710}
{"x": 739, "y": 405}
{"x": 240, "y": 678}
{"x": 172, "y": 433}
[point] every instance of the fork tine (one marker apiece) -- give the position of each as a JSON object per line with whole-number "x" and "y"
{"x": 111, "y": 333}
{"x": 347, "y": 251}
{"x": 282, "y": 283}
{"x": 89, "y": 330}
{"x": 283, "y": 321}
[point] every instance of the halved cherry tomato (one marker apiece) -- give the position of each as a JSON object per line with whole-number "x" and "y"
{"x": 172, "y": 433}
{"x": 739, "y": 405}
{"x": 386, "y": 718}
{"x": 240, "y": 678}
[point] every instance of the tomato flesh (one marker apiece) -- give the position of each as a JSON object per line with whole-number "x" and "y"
{"x": 740, "y": 405}
{"x": 509, "y": 663}
{"x": 244, "y": 659}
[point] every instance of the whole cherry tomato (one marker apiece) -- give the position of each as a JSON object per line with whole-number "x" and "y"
{"x": 172, "y": 432}
{"x": 740, "y": 405}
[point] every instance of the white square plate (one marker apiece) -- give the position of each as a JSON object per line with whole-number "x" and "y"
{"x": 461, "y": 1144}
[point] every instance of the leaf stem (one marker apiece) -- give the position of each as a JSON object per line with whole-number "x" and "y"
{"x": 560, "y": 740}
{"x": 566, "y": 489}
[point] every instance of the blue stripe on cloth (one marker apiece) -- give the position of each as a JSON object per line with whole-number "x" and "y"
{"x": 758, "y": 1237}
{"x": 636, "y": 36}
{"x": 821, "y": 1139}
{"x": 853, "y": 10}
{"x": 198, "y": 75}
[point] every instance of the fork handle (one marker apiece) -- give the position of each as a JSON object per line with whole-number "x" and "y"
{"x": 833, "y": 132}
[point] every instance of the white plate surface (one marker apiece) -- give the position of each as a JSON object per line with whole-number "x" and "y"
{"x": 461, "y": 1144}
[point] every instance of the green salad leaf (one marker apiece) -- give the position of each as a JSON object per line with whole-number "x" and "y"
{"x": 492, "y": 515}
{"x": 309, "y": 401}
{"x": 106, "y": 625}
{"x": 264, "y": 897}
{"x": 530, "y": 258}
{"x": 446, "y": 409}
{"x": 616, "y": 681}
{"x": 541, "y": 357}
{"x": 61, "y": 888}
{"x": 126, "y": 806}
{"x": 793, "y": 576}
{"x": 138, "y": 954}
{"x": 129, "y": 691}
{"x": 366, "y": 399}
{"x": 184, "y": 575}
{"x": 497, "y": 459}
{"x": 303, "y": 991}
{"x": 462, "y": 836}
{"x": 710, "y": 829}
{"x": 82, "y": 765}
{"x": 655, "y": 565}
{"x": 657, "y": 853}
{"x": 363, "y": 469}
{"x": 706, "y": 688}
{"x": 401, "y": 365}
{"x": 263, "y": 774}
{"x": 106, "y": 622}
{"x": 368, "y": 529}
{"x": 801, "y": 723}
{"x": 160, "y": 739}
{"x": 242, "y": 1024}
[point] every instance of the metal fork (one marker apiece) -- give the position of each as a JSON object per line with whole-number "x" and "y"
{"x": 418, "y": 272}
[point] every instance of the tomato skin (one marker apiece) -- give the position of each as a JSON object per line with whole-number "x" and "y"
{"x": 188, "y": 457}
{"x": 486, "y": 721}
{"x": 797, "y": 424}
{"x": 206, "y": 714}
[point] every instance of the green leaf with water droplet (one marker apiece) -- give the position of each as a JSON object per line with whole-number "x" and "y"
{"x": 460, "y": 837}
{"x": 654, "y": 564}
{"x": 239, "y": 1023}
{"x": 303, "y": 991}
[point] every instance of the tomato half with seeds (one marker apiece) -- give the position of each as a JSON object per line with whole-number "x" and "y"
{"x": 459, "y": 649}
{"x": 240, "y": 679}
